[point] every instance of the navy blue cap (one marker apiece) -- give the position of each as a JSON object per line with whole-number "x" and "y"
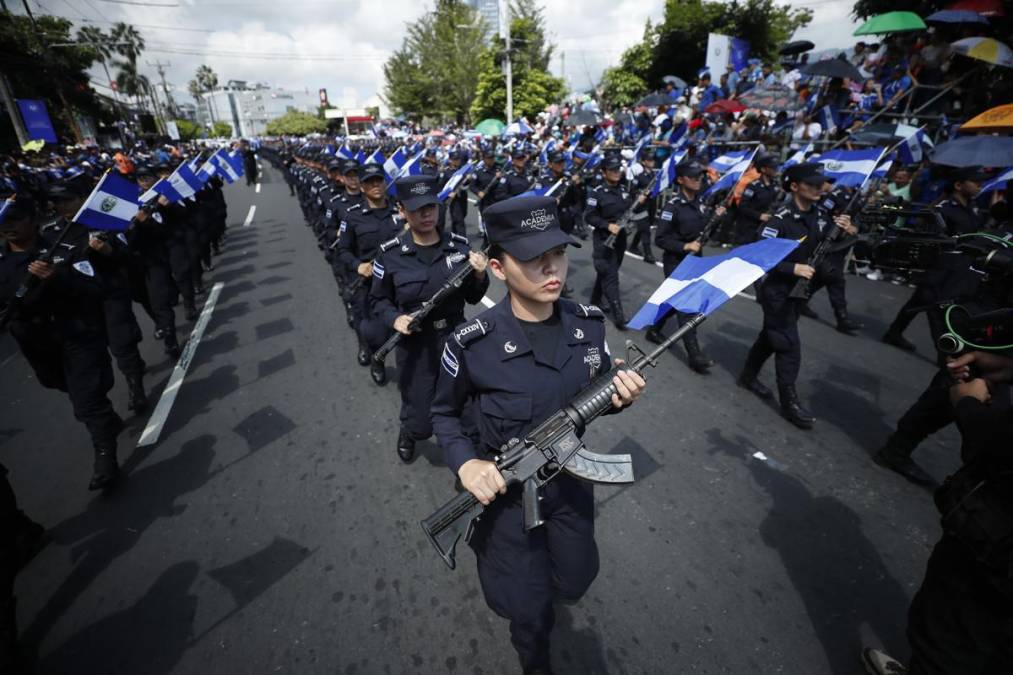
{"x": 457, "y": 153}
{"x": 765, "y": 161}
{"x": 525, "y": 227}
{"x": 520, "y": 150}
{"x": 689, "y": 169}
{"x": 334, "y": 165}
{"x": 371, "y": 170}
{"x": 349, "y": 166}
{"x": 143, "y": 170}
{"x": 556, "y": 156}
{"x": 970, "y": 173}
{"x": 612, "y": 162}
{"x": 414, "y": 192}
{"x": 23, "y": 207}
{"x": 805, "y": 173}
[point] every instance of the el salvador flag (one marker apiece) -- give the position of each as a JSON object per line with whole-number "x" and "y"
{"x": 883, "y": 169}
{"x": 224, "y": 167}
{"x": 543, "y": 157}
{"x": 376, "y": 158}
{"x": 828, "y": 118}
{"x": 544, "y": 191}
{"x": 726, "y": 162}
{"x": 455, "y": 180}
{"x": 413, "y": 167}
{"x": 360, "y": 157}
{"x": 666, "y": 177}
{"x": 112, "y": 205}
{"x": 345, "y": 153}
{"x": 850, "y": 168}
{"x": 912, "y": 149}
{"x": 732, "y": 176}
{"x": 999, "y": 182}
{"x": 185, "y": 182}
{"x": 329, "y": 149}
{"x": 393, "y": 165}
{"x": 235, "y": 160}
{"x": 164, "y": 188}
{"x": 704, "y": 284}
{"x": 679, "y": 138}
{"x": 798, "y": 157}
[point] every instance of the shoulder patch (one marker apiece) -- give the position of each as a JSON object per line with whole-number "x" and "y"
{"x": 449, "y": 360}
{"x": 769, "y": 233}
{"x": 85, "y": 268}
{"x": 592, "y": 201}
{"x": 472, "y": 331}
{"x": 748, "y": 192}
{"x": 389, "y": 244}
{"x": 458, "y": 237}
{"x": 666, "y": 215}
{"x": 589, "y": 312}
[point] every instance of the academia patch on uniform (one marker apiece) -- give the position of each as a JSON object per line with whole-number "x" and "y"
{"x": 769, "y": 233}
{"x": 450, "y": 363}
{"x": 666, "y": 215}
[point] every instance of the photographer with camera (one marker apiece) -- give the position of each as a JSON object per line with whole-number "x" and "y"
{"x": 961, "y": 619}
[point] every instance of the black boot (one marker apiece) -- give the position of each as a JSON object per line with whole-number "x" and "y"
{"x": 405, "y": 446}
{"x": 618, "y": 316}
{"x": 791, "y": 408}
{"x": 137, "y": 398}
{"x": 649, "y": 258}
{"x": 171, "y": 346}
{"x": 847, "y": 325}
{"x": 897, "y": 340}
{"x": 697, "y": 361}
{"x": 378, "y": 371}
{"x": 654, "y": 335}
{"x": 106, "y": 469}
{"x": 749, "y": 381}
{"x": 191, "y": 313}
{"x": 365, "y": 355}
{"x": 896, "y": 456}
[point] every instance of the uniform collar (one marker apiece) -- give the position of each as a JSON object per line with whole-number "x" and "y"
{"x": 511, "y": 341}
{"x": 409, "y": 247}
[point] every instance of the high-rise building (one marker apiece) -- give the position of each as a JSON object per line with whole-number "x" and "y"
{"x": 248, "y": 107}
{"x": 488, "y": 10}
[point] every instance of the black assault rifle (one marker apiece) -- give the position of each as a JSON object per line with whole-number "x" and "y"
{"x": 551, "y": 447}
{"x": 626, "y": 220}
{"x": 30, "y": 281}
{"x": 450, "y": 286}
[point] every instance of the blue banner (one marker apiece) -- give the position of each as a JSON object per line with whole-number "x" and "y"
{"x": 738, "y": 53}
{"x": 36, "y": 120}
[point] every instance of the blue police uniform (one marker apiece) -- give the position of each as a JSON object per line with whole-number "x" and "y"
{"x": 403, "y": 278}
{"x": 516, "y": 374}
{"x": 779, "y": 336}
{"x": 513, "y": 182}
{"x": 606, "y": 204}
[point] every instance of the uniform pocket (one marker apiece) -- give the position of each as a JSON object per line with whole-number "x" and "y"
{"x": 505, "y": 406}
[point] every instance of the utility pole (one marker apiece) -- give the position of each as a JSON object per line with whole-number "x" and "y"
{"x": 562, "y": 67}
{"x": 508, "y": 72}
{"x": 169, "y": 103}
{"x": 12, "y": 110}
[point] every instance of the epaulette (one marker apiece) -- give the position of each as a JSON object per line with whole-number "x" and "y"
{"x": 472, "y": 331}
{"x": 353, "y": 207}
{"x": 459, "y": 237}
{"x": 588, "y": 311}
{"x": 389, "y": 244}
{"x": 783, "y": 212}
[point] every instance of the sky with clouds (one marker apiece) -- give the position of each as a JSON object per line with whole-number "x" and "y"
{"x": 341, "y": 45}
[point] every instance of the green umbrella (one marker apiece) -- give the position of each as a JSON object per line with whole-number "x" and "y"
{"x": 490, "y": 127}
{"x": 891, "y": 22}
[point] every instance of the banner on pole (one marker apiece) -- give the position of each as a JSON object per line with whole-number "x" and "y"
{"x": 36, "y": 119}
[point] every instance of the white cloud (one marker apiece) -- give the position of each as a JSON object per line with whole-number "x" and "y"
{"x": 341, "y": 45}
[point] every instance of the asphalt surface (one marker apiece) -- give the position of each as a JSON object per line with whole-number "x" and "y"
{"x": 271, "y": 527}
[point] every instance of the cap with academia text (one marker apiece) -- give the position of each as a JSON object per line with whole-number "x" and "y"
{"x": 525, "y": 227}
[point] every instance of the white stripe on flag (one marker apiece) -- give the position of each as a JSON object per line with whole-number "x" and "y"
{"x": 729, "y": 277}
{"x": 122, "y": 209}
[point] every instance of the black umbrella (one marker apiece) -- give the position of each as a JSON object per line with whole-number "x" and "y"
{"x": 796, "y": 47}
{"x": 832, "y": 68}
{"x": 988, "y": 151}
{"x": 583, "y": 117}
{"x": 881, "y": 133}
{"x": 652, "y": 100}
{"x": 679, "y": 83}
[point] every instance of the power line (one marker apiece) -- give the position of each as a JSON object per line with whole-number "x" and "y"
{"x": 141, "y": 4}
{"x": 249, "y": 55}
{"x": 162, "y": 27}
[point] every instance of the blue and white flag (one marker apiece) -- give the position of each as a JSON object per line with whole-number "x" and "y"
{"x": 360, "y": 157}
{"x": 666, "y": 174}
{"x": 393, "y": 165}
{"x": 999, "y": 182}
{"x": 884, "y": 168}
{"x": 112, "y": 205}
{"x": 912, "y": 148}
{"x": 344, "y": 152}
{"x": 850, "y": 168}
{"x": 5, "y": 206}
{"x": 679, "y": 137}
{"x": 185, "y": 182}
{"x": 543, "y": 156}
{"x": 732, "y": 176}
{"x": 798, "y": 157}
{"x": 162, "y": 187}
{"x": 455, "y": 180}
{"x": 221, "y": 162}
{"x": 727, "y": 161}
{"x": 544, "y": 190}
{"x": 376, "y": 158}
{"x": 599, "y": 135}
{"x": 235, "y": 160}
{"x": 828, "y": 118}
{"x": 413, "y": 167}
{"x": 518, "y": 128}
{"x": 704, "y": 284}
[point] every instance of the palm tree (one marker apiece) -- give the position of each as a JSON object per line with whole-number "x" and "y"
{"x": 129, "y": 41}
{"x": 205, "y": 80}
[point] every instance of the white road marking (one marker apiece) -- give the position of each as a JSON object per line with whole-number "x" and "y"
{"x": 488, "y": 302}
{"x": 161, "y": 413}
{"x": 640, "y": 257}
{"x": 257, "y": 189}
{"x": 249, "y": 216}
{"x": 8, "y": 359}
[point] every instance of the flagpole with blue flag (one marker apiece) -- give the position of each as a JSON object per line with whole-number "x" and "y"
{"x": 111, "y": 206}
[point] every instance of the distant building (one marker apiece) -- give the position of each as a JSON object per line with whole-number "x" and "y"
{"x": 488, "y": 10}
{"x": 248, "y": 107}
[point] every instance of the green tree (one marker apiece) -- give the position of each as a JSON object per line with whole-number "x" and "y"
{"x": 188, "y": 130}
{"x": 624, "y": 84}
{"x": 221, "y": 130}
{"x": 56, "y": 75}
{"x": 433, "y": 73}
{"x": 296, "y": 123}
{"x": 534, "y": 87}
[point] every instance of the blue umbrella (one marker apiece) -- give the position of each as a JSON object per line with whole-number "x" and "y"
{"x": 956, "y": 16}
{"x": 518, "y": 128}
{"x": 987, "y": 151}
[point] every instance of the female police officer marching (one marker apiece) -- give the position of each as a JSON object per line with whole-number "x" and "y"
{"x": 408, "y": 270}
{"x": 518, "y": 363}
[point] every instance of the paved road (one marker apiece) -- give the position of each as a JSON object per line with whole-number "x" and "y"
{"x": 271, "y": 528}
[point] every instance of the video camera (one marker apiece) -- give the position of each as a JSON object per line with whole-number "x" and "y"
{"x": 986, "y": 321}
